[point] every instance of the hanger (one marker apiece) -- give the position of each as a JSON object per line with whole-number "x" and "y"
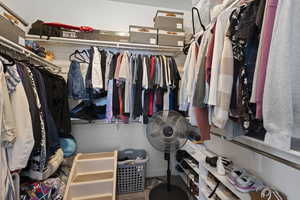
{"x": 202, "y": 25}
{"x": 77, "y": 55}
{"x": 7, "y": 58}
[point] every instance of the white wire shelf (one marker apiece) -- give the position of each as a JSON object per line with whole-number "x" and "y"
{"x": 25, "y": 52}
{"x": 105, "y": 44}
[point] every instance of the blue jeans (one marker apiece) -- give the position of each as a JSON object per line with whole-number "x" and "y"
{"x": 76, "y": 87}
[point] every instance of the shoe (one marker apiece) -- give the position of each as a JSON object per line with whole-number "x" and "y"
{"x": 235, "y": 174}
{"x": 248, "y": 183}
{"x": 212, "y": 161}
{"x": 267, "y": 194}
{"x": 222, "y": 164}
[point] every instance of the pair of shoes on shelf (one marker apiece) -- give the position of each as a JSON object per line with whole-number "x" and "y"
{"x": 243, "y": 181}
{"x": 267, "y": 194}
{"x": 220, "y": 162}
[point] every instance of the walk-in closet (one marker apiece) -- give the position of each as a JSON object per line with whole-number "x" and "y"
{"x": 149, "y": 100}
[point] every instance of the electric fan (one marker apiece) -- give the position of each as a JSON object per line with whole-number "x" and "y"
{"x": 167, "y": 131}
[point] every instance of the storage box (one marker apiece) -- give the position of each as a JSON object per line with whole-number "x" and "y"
{"x": 115, "y": 36}
{"x": 93, "y": 176}
{"x": 168, "y": 20}
{"x": 11, "y": 27}
{"x": 168, "y": 38}
{"x": 101, "y": 35}
{"x": 142, "y": 35}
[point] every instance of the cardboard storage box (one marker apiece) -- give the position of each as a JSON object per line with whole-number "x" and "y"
{"x": 168, "y": 20}
{"x": 11, "y": 27}
{"x": 168, "y": 38}
{"x": 142, "y": 35}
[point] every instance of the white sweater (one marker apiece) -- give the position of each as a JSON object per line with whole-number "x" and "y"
{"x": 217, "y": 55}
{"x": 281, "y": 101}
{"x": 186, "y": 88}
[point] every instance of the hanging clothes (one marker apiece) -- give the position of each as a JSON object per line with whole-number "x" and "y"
{"x": 19, "y": 153}
{"x": 281, "y": 92}
{"x": 185, "y": 96}
{"x": 7, "y": 139}
{"x": 264, "y": 54}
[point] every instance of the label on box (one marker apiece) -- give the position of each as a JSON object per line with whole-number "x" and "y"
{"x": 179, "y": 26}
{"x": 152, "y": 41}
{"x": 180, "y": 43}
{"x": 143, "y": 30}
{"x": 21, "y": 41}
{"x": 67, "y": 34}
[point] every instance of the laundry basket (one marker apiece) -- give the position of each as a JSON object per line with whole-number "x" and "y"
{"x": 131, "y": 175}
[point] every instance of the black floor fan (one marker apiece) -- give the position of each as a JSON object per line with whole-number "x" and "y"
{"x": 167, "y": 131}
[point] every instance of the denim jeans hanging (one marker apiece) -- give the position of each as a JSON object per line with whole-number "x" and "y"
{"x": 76, "y": 87}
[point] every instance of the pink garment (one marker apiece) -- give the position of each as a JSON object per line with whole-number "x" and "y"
{"x": 267, "y": 29}
{"x": 118, "y": 67}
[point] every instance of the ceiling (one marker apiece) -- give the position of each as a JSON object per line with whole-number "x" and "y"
{"x": 173, "y": 4}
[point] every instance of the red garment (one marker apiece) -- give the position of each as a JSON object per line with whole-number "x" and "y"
{"x": 209, "y": 55}
{"x": 66, "y": 26}
{"x": 201, "y": 115}
{"x": 122, "y": 116}
{"x": 152, "y": 68}
{"x": 150, "y": 113}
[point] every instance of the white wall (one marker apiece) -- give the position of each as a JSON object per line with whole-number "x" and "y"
{"x": 99, "y": 14}
{"x": 108, "y": 137}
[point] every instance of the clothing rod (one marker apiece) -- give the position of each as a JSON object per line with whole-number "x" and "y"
{"x": 263, "y": 153}
{"x": 107, "y": 44}
{"x": 17, "y": 48}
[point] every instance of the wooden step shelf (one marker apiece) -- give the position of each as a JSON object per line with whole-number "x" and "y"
{"x": 93, "y": 177}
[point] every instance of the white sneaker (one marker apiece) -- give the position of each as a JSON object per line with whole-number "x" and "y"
{"x": 222, "y": 164}
{"x": 248, "y": 183}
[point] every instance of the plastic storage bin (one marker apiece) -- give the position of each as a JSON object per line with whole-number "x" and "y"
{"x": 131, "y": 175}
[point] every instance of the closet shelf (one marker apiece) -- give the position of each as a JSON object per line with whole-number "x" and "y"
{"x": 199, "y": 153}
{"x": 23, "y": 51}
{"x": 106, "y": 44}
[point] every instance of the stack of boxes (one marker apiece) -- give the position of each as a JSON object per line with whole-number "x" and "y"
{"x": 167, "y": 31}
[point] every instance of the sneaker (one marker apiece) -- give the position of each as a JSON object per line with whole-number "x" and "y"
{"x": 248, "y": 183}
{"x": 267, "y": 194}
{"x": 235, "y": 174}
{"x": 222, "y": 164}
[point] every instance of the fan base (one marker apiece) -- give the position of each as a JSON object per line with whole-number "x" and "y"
{"x": 160, "y": 192}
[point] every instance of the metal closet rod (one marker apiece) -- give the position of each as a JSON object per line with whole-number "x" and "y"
{"x": 261, "y": 152}
{"x": 26, "y": 53}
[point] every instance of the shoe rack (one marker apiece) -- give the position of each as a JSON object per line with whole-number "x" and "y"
{"x": 196, "y": 172}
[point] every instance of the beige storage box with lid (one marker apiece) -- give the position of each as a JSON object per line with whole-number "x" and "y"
{"x": 168, "y": 38}
{"x": 103, "y": 35}
{"x": 100, "y": 35}
{"x": 142, "y": 35}
{"x": 12, "y": 27}
{"x": 169, "y": 21}
{"x": 93, "y": 177}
